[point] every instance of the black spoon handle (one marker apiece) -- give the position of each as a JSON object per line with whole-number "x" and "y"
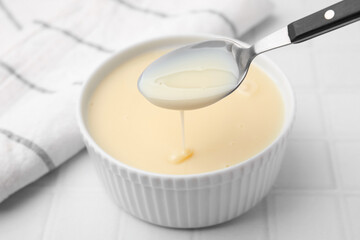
{"x": 323, "y": 21}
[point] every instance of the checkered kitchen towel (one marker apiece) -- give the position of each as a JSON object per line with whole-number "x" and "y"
{"x": 49, "y": 47}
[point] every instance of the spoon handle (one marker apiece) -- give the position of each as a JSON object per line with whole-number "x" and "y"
{"x": 323, "y": 21}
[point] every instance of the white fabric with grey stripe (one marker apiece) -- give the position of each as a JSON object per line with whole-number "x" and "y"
{"x": 48, "y": 48}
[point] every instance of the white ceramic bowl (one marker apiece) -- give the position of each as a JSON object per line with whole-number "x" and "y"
{"x": 187, "y": 201}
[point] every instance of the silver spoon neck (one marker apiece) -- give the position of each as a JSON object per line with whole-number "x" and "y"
{"x": 275, "y": 40}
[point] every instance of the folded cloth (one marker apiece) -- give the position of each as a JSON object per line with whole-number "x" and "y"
{"x": 50, "y": 47}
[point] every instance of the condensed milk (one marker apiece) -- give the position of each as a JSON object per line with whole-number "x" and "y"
{"x": 193, "y": 79}
{"x": 145, "y": 136}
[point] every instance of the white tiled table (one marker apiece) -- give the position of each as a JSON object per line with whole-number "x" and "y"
{"x": 316, "y": 196}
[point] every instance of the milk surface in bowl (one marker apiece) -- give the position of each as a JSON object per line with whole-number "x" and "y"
{"x": 145, "y": 136}
{"x": 217, "y": 183}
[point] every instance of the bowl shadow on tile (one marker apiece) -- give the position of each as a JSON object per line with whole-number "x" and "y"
{"x": 254, "y": 218}
{"x": 250, "y": 224}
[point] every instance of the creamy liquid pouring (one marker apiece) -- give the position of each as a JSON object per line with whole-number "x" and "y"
{"x": 196, "y": 78}
{"x": 134, "y": 131}
{"x": 186, "y": 152}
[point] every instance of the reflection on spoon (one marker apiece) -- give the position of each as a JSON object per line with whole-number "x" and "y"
{"x": 190, "y": 77}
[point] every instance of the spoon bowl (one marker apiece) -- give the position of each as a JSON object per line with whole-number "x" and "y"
{"x": 193, "y": 76}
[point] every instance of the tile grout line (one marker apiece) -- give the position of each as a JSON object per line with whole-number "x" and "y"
{"x": 324, "y": 121}
{"x": 194, "y": 234}
{"x": 271, "y": 216}
{"x": 54, "y": 201}
{"x": 335, "y": 169}
{"x": 324, "y": 138}
{"x": 120, "y": 234}
{"x": 303, "y": 191}
{"x": 341, "y": 211}
{"x": 341, "y": 194}
{"x": 268, "y": 232}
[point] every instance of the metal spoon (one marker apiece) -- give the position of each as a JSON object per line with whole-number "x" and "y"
{"x": 323, "y": 21}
